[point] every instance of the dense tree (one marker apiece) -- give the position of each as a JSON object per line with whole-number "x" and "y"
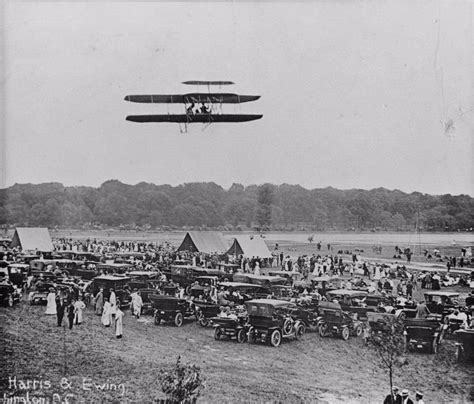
{"x": 208, "y": 205}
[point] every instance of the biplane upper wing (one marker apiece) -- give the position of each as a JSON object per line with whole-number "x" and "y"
{"x": 202, "y": 118}
{"x": 208, "y": 83}
{"x": 214, "y": 98}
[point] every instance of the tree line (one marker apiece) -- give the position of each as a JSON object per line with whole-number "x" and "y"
{"x": 208, "y": 205}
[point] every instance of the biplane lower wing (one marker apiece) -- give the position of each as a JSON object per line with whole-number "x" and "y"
{"x": 196, "y": 118}
{"x": 214, "y": 98}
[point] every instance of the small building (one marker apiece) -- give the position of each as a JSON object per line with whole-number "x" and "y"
{"x": 207, "y": 242}
{"x": 32, "y": 239}
{"x": 249, "y": 246}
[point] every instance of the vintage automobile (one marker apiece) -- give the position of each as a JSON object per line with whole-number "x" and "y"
{"x": 440, "y": 302}
{"x": 282, "y": 292}
{"x": 117, "y": 282}
{"x": 380, "y": 322}
{"x": 234, "y": 326}
{"x": 247, "y": 291}
{"x": 336, "y": 322}
{"x": 205, "y": 311}
{"x": 39, "y": 293}
{"x": 17, "y": 274}
{"x": 290, "y": 276}
{"x": 325, "y": 283}
{"x": 464, "y": 345}
{"x": 360, "y": 302}
{"x": 203, "y": 285}
{"x": 424, "y": 333}
{"x": 9, "y": 294}
{"x": 271, "y": 320}
{"x": 262, "y": 280}
{"x": 186, "y": 275}
{"x": 170, "y": 308}
{"x": 114, "y": 267}
{"x": 229, "y": 269}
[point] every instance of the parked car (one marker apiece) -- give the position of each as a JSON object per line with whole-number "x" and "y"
{"x": 262, "y": 280}
{"x": 270, "y": 321}
{"x": 9, "y": 294}
{"x": 440, "y": 302}
{"x": 234, "y": 326}
{"x": 424, "y": 333}
{"x": 170, "y": 308}
{"x": 336, "y": 322}
{"x": 203, "y": 285}
{"x": 248, "y": 291}
{"x": 118, "y": 283}
{"x": 464, "y": 345}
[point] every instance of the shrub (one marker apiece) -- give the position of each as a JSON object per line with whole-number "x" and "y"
{"x": 182, "y": 383}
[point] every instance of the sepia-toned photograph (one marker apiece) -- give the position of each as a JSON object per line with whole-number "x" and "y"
{"x": 237, "y": 201}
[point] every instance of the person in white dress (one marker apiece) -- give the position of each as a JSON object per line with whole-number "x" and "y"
{"x": 118, "y": 323}
{"x": 51, "y": 302}
{"x": 79, "y": 307}
{"x": 137, "y": 305}
{"x": 113, "y": 302}
{"x": 106, "y": 314}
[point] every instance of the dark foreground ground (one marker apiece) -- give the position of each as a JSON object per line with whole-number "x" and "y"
{"x": 312, "y": 369}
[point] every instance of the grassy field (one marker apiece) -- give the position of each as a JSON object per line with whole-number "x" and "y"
{"x": 311, "y": 369}
{"x": 308, "y": 370}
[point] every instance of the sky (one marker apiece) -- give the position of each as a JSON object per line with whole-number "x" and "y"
{"x": 354, "y": 94}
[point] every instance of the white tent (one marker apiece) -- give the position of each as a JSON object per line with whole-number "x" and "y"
{"x": 32, "y": 239}
{"x": 250, "y": 246}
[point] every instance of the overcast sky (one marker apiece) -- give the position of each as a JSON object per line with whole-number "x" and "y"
{"x": 355, "y": 94}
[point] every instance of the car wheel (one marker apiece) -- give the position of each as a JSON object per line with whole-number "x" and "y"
{"x": 218, "y": 333}
{"x": 300, "y": 330}
{"x": 459, "y": 354}
{"x": 203, "y": 321}
{"x": 275, "y": 338}
{"x": 358, "y": 331}
{"x": 251, "y": 338}
{"x": 288, "y": 326}
{"x": 157, "y": 319}
{"x": 10, "y": 301}
{"x": 323, "y": 330}
{"x": 178, "y": 319}
{"x": 241, "y": 336}
{"x": 345, "y": 333}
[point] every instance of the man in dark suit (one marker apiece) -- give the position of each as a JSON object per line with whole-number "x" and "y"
{"x": 394, "y": 398}
{"x": 60, "y": 307}
{"x": 71, "y": 313}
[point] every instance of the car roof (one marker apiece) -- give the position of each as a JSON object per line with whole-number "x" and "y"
{"x": 347, "y": 292}
{"x": 112, "y": 278}
{"x": 239, "y": 284}
{"x": 271, "y": 302}
{"x": 448, "y": 294}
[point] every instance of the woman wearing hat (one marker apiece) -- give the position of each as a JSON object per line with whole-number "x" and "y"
{"x": 51, "y": 299}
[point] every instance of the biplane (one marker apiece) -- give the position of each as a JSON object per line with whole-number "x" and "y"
{"x": 198, "y": 106}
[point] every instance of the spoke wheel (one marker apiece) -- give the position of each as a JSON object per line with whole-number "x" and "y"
{"x": 275, "y": 338}
{"x": 178, "y": 319}
{"x": 345, "y": 333}
{"x": 218, "y": 333}
{"x": 241, "y": 336}
{"x": 323, "y": 330}
{"x": 157, "y": 319}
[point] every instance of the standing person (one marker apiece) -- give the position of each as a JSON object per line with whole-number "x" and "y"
{"x": 51, "y": 305}
{"x": 138, "y": 304}
{"x": 113, "y": 302}
{"x": 106, "y": 314}
{"x": 118, "y": 323}
{"x": 99, "y": 302}
{"x": 406, "y": 398}
{"x": 60, "y": 308}
{"x": 393, "y": 398}
{"x": 409, "y": 289}
{"x": 79, "y": 306}
{"x": 366, "y": 333}
{"x": 71, "y": 313}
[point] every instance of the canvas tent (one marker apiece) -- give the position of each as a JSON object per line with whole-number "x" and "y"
{"x": 250, "y": 246}
{"x": 207, "y": 242}
{"x": 32, "y": 239}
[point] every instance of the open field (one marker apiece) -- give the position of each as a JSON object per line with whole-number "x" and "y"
{"x": 312, "y": 369}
